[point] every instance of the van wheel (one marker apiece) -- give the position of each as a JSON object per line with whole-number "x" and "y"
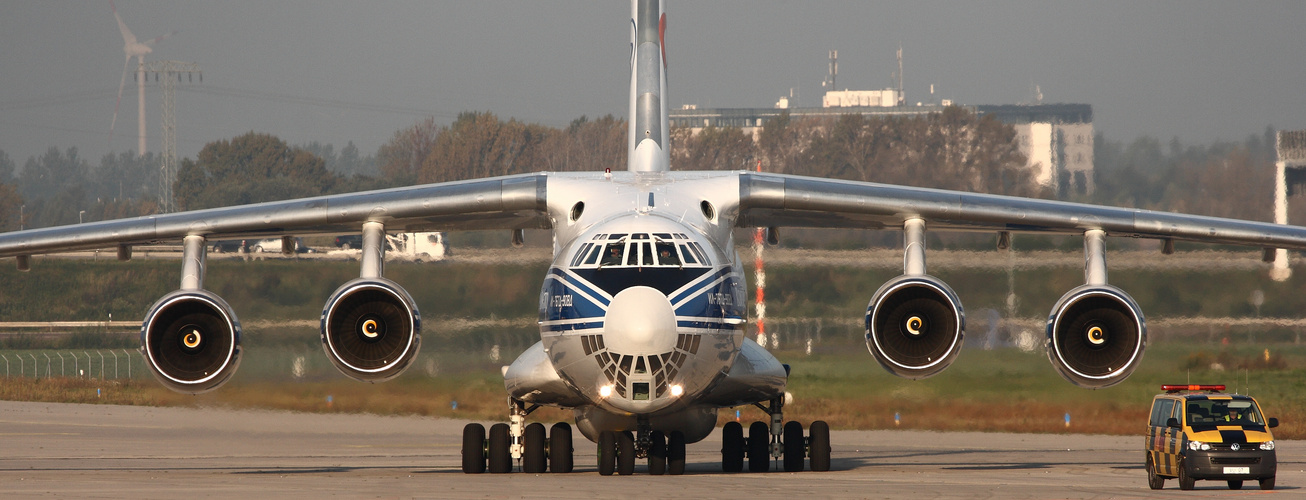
{"x": 1267, "y": 483}
{"x": 1235, "y": 484}
{"x": 1153, "y": 481}
{"x": 1186, "y": 482}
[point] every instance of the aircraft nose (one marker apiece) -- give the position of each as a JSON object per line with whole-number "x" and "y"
{"x": 640, "y": 321}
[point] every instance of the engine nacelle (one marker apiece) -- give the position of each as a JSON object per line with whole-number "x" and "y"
{"x": 914, "y": 326}
{"x": 191, "y": 341}
{"x": 1096, "y": 336}
{"x": 371, "y": 329}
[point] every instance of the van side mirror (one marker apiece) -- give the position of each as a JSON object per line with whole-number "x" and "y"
{"x": 1274, "y": 422}
{"x": 1172, "y": 422}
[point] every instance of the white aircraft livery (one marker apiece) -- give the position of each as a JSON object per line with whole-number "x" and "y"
{"x": 642, "y": 313}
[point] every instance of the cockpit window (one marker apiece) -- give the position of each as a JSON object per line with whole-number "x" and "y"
{"x": 640, "y": 250}
{"x": 612, "y": 254}
{"x": 667, "y": 254}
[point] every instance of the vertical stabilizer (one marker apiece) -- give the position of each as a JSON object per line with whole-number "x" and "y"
{"x": 648, "y": 130}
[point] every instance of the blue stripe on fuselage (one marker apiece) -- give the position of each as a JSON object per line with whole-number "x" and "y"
{"x": 699, "y": 295}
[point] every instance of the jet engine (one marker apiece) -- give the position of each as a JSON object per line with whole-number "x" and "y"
{"x": 191, "y": 341}
{"x": 371, "y": 329}
{"x": 914, "y": 326}
{"x": 1096, "y": 336}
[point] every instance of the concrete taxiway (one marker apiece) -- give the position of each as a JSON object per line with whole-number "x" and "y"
{"x": 100, "y": 451}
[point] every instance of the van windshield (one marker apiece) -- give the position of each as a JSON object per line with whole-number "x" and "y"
{"x": 1223, "y": 412}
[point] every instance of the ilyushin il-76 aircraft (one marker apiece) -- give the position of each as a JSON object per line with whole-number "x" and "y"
{"x": 642, "y": 313}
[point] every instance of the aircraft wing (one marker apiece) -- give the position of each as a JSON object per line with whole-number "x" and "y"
{"x": 774, "y": 200}
{"x": 511, "y": 202}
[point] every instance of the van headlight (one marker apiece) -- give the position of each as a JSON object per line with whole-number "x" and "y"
{"x": 1267, "y": 446}
{"x": 1198, "y": 445}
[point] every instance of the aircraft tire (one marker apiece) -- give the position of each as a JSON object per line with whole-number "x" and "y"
{"x": 676, "y": 454}
{"x": 732, "y": 447}
{"x": 759, "y": 447}
{"x": 625, "y": 453}
{"x": 500, "y": 458}
{"x": 560, "y": 450}
{"x": 535, "y": 459}
{"x": 657, "y": 454}
{"x": 794, "y": 447}
{"x": 473, "y": 449}
{"x": 818, "y": 446}
{"x": 607, "y": 453}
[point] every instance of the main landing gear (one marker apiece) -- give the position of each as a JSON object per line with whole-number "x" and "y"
{"x": 507, "y": 443}
{"x": 780, "y": 440}
{"x": 618, "y": 451}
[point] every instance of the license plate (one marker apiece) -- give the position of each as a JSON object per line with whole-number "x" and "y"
{"x": 1237, "y": 470}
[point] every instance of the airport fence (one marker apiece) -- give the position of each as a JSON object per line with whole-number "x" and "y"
{"x": 103, "y": 364}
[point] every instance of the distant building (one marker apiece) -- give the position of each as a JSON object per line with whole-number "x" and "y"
{"x": 1057, "y": 138}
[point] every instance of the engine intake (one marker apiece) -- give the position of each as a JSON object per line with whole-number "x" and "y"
{"x": 1096, "y": 336}
{"x": 191, "y": 341}
{"x": 371, "y": 329}
{"x": 914, "y": 326}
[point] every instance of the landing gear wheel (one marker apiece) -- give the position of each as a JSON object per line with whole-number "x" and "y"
{"x": 1267, "y": 483}
{"x": 500, "y": 458}
{"x": 535, "y": 458}
{"x": 1186, "y": 482}
{"x": 794, "y": 447}
{"x": 607, "y": 453}
{"x": 676, "y": 454}
{"x": 1153, "y": 481}
{"x": 560, "y": 448}
{"x": 657, "y": 453}
{"x": 1235, "y": 484}
{"x": 473, "y": 449}
{"x": 625, "y": 453}
{"x": 818, "y": 446}
{"x": 732, "y": 447}
{"x": 759, "y": 447}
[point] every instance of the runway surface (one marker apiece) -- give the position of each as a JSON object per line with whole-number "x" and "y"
{"x": 100, "y": 451}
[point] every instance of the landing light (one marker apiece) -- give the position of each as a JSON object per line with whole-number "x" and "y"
{"x": 677, "y": 390}
{"x": 605, "y": 391}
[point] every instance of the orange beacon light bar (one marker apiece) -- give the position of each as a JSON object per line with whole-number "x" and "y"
{"x": 1191, "y": 387}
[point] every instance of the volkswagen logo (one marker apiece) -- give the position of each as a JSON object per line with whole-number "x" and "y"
{"x": 1235, "y": 447}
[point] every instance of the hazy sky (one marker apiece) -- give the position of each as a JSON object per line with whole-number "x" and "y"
{"x": 334, "y": 71}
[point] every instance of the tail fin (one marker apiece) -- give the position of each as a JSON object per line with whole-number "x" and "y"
{"x": 648, "y": 129}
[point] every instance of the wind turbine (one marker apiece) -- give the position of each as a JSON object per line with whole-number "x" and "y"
{"x": 134, "y": 48}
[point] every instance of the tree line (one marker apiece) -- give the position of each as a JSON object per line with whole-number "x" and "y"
{"x": 955, "y": 149}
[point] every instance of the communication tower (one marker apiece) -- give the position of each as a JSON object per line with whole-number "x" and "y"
{"x": 169, "y": 74}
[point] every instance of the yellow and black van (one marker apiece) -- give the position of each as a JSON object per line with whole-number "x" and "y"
{"x": 1198, "y": 432}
